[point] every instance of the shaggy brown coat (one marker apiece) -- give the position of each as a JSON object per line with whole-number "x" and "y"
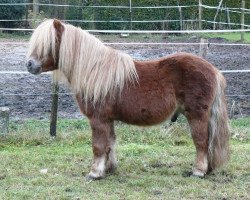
{"x": 110, "y": 86}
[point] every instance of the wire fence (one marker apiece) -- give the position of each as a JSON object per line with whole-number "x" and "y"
{"x": 70, "y": 93}
{"x": 61, "y": 94}
{"x": 125, "y": 7}
{"x": 192, "y": 21}
{"x": 241, "y": 26}
{"x": 147, "y": 31}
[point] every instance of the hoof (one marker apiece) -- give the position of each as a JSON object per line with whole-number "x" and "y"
{"x": 111, "y": 169}
{"x": 90, "y": 177}
{"x": 94, "y": 176}
{"x": 187, "y": 174}
{"x": 198, "y": 173}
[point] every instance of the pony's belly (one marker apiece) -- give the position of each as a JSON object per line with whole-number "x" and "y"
{"x": 147, "y": 112}
{"x": 144, "y": 119}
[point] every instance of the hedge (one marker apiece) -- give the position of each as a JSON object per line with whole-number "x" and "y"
{"x": 123, "y": 14}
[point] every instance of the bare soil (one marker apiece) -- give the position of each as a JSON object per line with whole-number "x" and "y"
{"x": 29, "y": 96}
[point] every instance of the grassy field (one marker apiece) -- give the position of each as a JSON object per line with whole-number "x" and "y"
{"x": 232, "y": 37}
{"x": 153, "y": 163}
{"x": 14, "y": 36}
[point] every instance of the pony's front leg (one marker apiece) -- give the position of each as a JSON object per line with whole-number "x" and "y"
{"x": 103, "y": 142}
{"x": 111, "y": 163}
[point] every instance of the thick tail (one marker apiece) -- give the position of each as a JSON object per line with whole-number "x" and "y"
{"x": 218, "y": 150}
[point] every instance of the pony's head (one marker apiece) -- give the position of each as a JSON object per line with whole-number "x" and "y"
{"x": 43, "y": 54}
{"x": 82, "y": 60}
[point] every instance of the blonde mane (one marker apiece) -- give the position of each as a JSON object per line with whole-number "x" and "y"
{"x": 43, "y": 41}
{"x": 92, "y": 69}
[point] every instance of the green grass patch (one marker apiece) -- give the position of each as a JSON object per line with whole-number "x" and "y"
{"x": 233, "y": 37}
{"x": 240, "y": 129}
{"x": 15, "y": 36}
{"x": 153, "y": 163}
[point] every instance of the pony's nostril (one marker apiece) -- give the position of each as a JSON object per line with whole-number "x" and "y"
{"x": 33, "y": 66}
{"x": 29, "y": 64}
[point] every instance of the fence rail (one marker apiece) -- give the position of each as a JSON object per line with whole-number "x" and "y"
{"x": 241, "y": 10}
{"x": 108, "y": 6}
{"x": 60, "y": 94}
{"x": 48, "y": 73}
{"x": 125, "y": 7}
{"x": 199, "y": 20}
{"x": 148, "y": 31}
{"x": 124, "y": 21}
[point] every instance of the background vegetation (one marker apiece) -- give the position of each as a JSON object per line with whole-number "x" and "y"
{"x": 11, "y": 13}
{"x": 123, "y": 14}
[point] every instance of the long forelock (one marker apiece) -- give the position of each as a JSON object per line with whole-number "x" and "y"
{"x": 43, "y": 41}
{"x": 93, "y": 69}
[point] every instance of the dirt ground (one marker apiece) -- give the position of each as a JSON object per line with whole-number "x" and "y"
{"x": 30, "y": 96}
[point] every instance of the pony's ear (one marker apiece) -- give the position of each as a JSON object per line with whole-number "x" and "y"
{"x": 58, "y": 25}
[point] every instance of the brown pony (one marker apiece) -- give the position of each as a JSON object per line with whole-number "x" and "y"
{"x": 109, "y": 85}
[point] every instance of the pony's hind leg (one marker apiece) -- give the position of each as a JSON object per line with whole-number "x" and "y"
{"x": 103, "y": 142}
{"x": 199, "y": 130}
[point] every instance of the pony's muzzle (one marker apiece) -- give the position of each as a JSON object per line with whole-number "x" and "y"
{"x": 33, "y": 66}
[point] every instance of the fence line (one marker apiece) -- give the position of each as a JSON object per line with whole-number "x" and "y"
{"x": 103, "y": 21}
{"x": 169, "y": 31}
{"x": 225, "y": 23}
{"x": 125, "y": 7}
{"x": 70, "y": 93}
{"x": 157, "y": 43}
{"x": 48, "y": 73}
{"x": 175, "y": 43}
{"x": 147, "y": 31}
{"x": 22, "y": 72}
{"x": 127, "y": 21}
{"x": 79, "y": 6}
{"x": 15, "y": 4}
{"x": 129, "y": 7}
{"x": 236, "y": 71}
{"x": 179, "y": 7}
{"x": 224, "y": 8}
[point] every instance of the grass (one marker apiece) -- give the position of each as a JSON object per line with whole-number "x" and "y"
{"x": 14, "y": 36}
{"x": 153, "y": 163}
{"x": 233, "y": 37}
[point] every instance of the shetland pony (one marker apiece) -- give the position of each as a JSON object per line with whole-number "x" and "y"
{"x": 109, "y": 85}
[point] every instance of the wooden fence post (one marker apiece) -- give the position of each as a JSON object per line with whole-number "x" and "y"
{"x": 200, "y": 14}
{"x": 4, "y": 120}
{"x": 130, "y": 14}
{"x": 181, "y": 19}
{"x": 217, "y": 12}
{"x": 35, "y": 7}
{"x": 203, "y": 48}
{"x": 54, "y": 108}
{"x": 94, "y": 15}
{"x": 243, "y": 5}
{"x": 228, "y": 18}
{"x": 35, "y": 13}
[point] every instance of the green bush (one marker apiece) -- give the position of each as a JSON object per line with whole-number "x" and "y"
{"x": 11, "y": 12}
{"x": 208, "y": 14}
{"x": 137, "y": 14}
{"x": 108, "y": 14}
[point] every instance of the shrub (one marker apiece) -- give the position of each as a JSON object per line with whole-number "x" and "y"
{"x": 11, "y": 12}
